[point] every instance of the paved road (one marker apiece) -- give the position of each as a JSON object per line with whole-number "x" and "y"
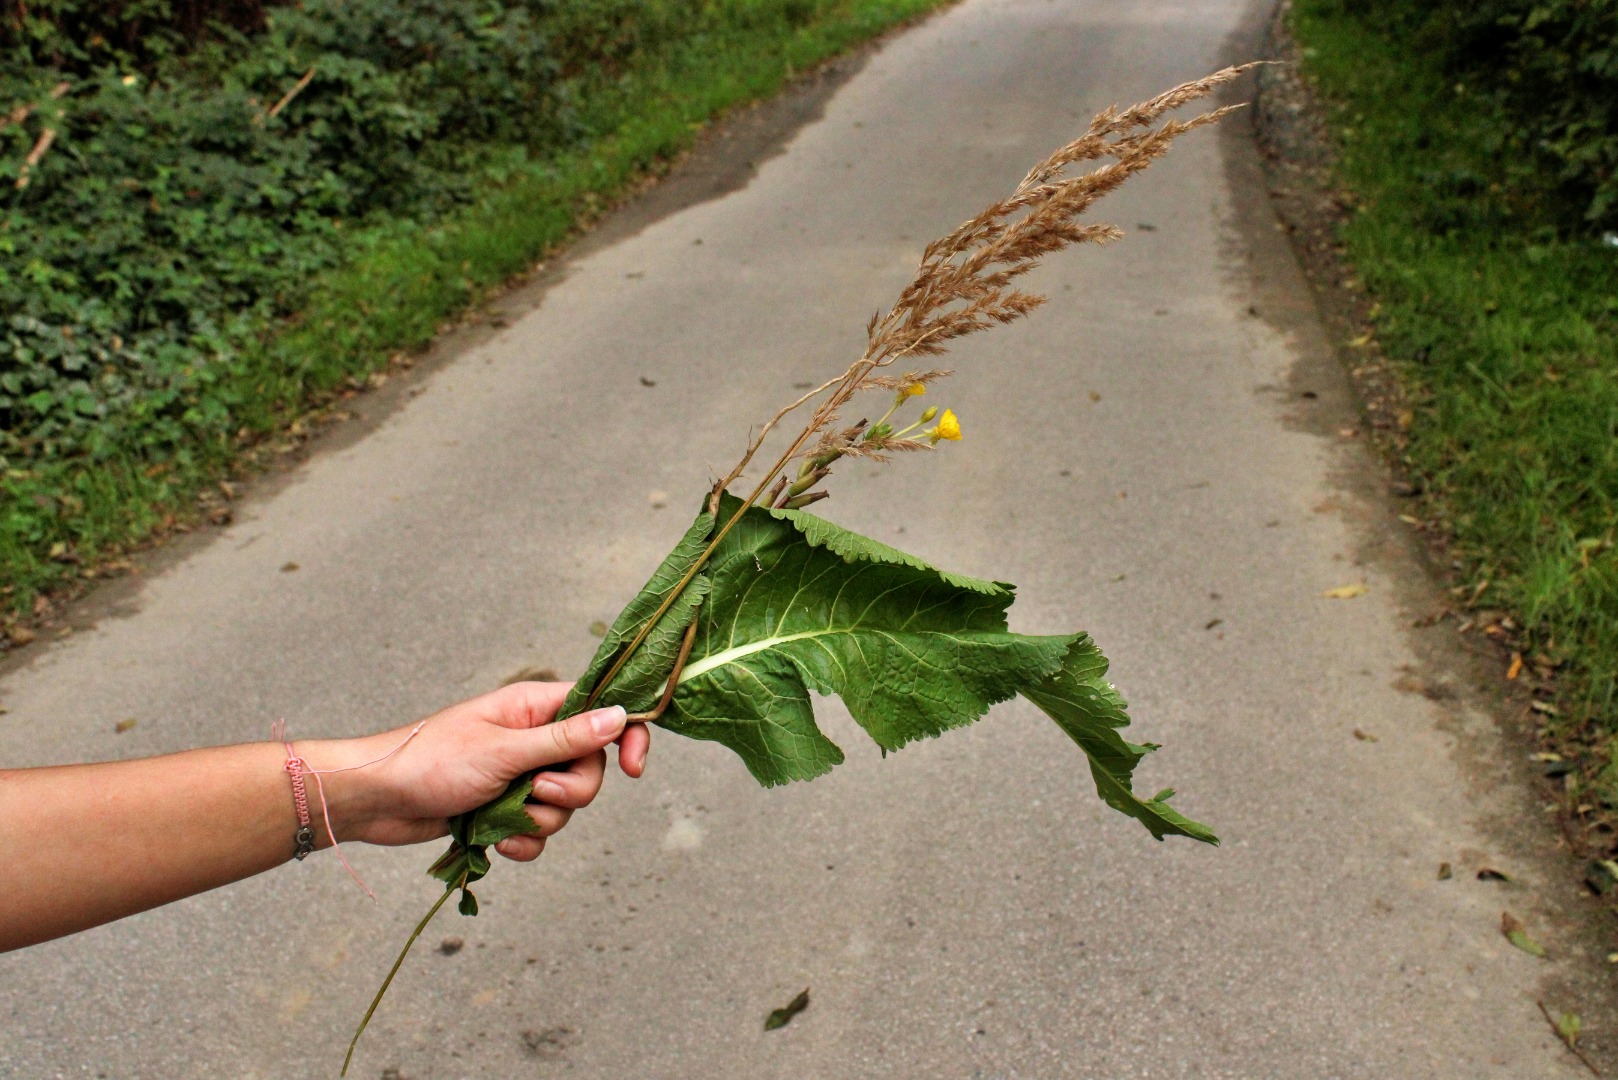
{"x": 965, "y": 908}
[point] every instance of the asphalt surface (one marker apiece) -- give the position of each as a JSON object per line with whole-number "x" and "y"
{"x": 1158, "y": 457}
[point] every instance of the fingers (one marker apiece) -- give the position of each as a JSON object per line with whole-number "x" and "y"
{"x": 575, "y": 787}
{"x": 565, "y": 740}
{"x": 525, "y": 704}
{"x": 632, "y": 747}
{"x": 521, "y": 848}
{"x": 548, "y": 820}
{"x": 572, "y": 789}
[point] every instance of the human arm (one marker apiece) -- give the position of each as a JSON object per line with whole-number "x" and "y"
{"x": 85, "y": 844}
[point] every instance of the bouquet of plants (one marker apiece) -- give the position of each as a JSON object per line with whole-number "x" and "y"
{"x": 762, "y": 604}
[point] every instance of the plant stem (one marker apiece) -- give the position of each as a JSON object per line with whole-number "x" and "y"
{"x": 383, "y": 989}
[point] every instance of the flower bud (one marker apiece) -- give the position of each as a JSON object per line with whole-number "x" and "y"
{"x": 932, "y": 411}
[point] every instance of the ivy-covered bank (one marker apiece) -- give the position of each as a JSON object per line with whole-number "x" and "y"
{"x": 218, "y": 213}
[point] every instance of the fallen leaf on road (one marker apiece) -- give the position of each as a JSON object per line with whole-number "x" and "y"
{"x": 1444, "y": 871}
{"x": 1567, "y": 1028}
{"x": 598, "y": 629}
{"x": 124, "y": 725}
{"x": 1489, "y": 873}
{"x": 1364, "y": 736}
{"x": 644, "y": 381}
{"x": 20, "y": 635}
{"x": 1516, "y": 666}
{"x": 550, "y": 1043}
{"x": 780, "y": 1018}
{"x": 451, "y": 945}
{"x": 1347, "y": 592}
{"x": 1601, "y": 875}
{"x": 1213, "y": 623}
{"x": 1517, "y": 934}
{"x": 287, "y": 568}
{"x": 1094, "y": 396}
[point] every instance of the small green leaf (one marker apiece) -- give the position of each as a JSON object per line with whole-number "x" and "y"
{"x": 780, "y": 1018}
{"x": 1516, "y": 933}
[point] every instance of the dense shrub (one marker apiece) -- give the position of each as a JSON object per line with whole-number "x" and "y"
{"x": 1552, "y": 64}
{"x": 173, "y": 216}
{"x": 78, "y": 36}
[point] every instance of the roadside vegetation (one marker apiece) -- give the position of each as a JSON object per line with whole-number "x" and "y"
{"x": 1478, "y": 147}
{"x": 215, "y": 216}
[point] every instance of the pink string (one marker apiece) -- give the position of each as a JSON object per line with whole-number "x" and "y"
{"x": 296, "y": 766}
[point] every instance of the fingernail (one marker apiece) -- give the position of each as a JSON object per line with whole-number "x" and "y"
{"x": 608, "y": 721}
{"x": 548, "y": 790}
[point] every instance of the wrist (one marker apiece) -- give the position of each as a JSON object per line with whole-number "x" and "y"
{"x": 355, "y": 796}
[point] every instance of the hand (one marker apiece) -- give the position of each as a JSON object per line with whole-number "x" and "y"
{"x": 465, "y": 756}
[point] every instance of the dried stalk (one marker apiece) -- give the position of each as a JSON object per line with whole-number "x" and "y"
{"x": 286, "y": 98}
{"x": 965, "y": 284}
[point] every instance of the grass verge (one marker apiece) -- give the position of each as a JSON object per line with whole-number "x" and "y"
{"x": 63, "y": 523}
{"x": 1503, "y": 333}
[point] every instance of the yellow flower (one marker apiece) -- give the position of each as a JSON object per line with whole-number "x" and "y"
{"x": 915, "y": 389}
{"x": 949, "y": 427}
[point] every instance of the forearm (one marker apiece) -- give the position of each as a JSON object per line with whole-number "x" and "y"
{"x": 85, "y": 844}
{"x": 81, "y": 845}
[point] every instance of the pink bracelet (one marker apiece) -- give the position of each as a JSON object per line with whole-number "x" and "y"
{"x": 303, "y": 841}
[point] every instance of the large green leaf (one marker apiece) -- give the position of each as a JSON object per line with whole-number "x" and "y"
{"x": 790, "y": 604}
{"x": 911, "y": 652}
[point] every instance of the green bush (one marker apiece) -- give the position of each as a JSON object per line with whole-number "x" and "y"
{"x": 1552, "y": 65}
{"x": 80, "y": 36}
{"x": 172, "y": 217}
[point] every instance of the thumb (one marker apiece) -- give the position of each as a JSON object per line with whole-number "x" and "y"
{"x": 567, "y": 740}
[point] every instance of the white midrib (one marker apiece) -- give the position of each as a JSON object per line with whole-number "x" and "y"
{"x": 701, "y": 667}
